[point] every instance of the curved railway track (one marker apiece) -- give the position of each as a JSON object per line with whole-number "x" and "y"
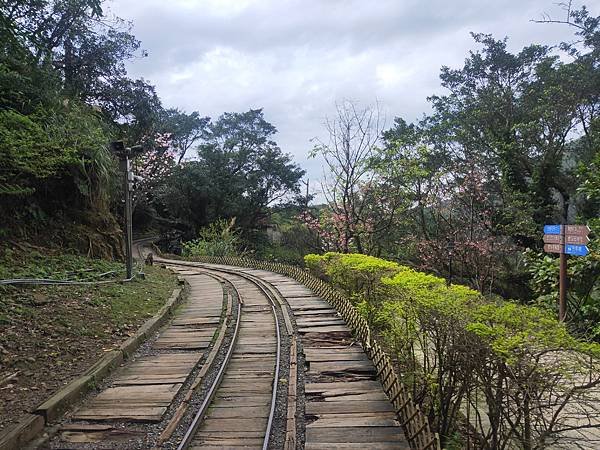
{"x": 191, "y": 438}
{"x": 224, "y": 373}
{"x": 257, "y": 345}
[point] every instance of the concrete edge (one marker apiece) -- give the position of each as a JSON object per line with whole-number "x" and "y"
{"x": 15, "y": 437}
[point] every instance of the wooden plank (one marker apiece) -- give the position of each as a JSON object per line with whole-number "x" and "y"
{"x": 234, "y": 424}
{"x": 323, "y": 329}
{"x": 146, "y": 414}
{"x": 352, "y": 386}
{"x": 337, "y": 357}
{"x": 316, "y": 408}
{"x": 367, "y": 435}
{"x": 342, "y": 421}
{"x": 220, "y": 412}
{"x": 356, "y": 446}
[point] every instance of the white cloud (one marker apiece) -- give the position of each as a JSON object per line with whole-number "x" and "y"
{"x": 296, "y": 58}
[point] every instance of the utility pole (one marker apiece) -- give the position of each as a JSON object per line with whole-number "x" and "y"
{"x": 125, "y": 154}
{"x": 127, "y": 187}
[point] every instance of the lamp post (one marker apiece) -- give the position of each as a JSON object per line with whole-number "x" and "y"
{"x": 125, "y": 154}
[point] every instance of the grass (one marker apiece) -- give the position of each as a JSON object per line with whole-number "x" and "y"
{"x": 50, "y": 334}
{"x": 92, "y": 309}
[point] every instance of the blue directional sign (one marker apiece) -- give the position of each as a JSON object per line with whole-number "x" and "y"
{"x": 577, "y": 250}
{"x": 552, "y": 229}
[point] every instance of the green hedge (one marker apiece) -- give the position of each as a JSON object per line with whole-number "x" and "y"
{"x": 463, "y": 355}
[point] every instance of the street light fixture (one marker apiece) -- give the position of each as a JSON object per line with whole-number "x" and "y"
{"x": 125, "y": 154}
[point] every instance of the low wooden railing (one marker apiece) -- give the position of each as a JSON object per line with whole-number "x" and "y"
{"x": 415, "y": 423}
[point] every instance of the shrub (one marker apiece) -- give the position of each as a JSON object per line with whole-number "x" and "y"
{"x": 511, "y": 373}
{"x": 218, "y": 239}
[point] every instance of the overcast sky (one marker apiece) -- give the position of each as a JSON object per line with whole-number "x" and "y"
{"x": 297, "y": 58}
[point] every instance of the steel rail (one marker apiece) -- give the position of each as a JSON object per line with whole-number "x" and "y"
{"x": 269, "y": 295}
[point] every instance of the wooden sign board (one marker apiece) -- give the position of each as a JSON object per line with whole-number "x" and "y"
{"x": 553, "y": 239}
{"x": 576, "y": 239}
{"x": 553, "y": 248}
{"x": 577, "y": 230}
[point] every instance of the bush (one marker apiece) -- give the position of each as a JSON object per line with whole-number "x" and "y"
{"x": 218, "y": 239}
{"x": 510, "y": 373}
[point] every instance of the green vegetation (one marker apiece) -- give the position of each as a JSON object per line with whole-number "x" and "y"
{"x": 512, "y": 143}
{"x": 583, "y": 296}
{"x": 239, "y": 173}
{"x": 51, "y": 334}
{"x": 461, "y": 354}
{"x": 100, "y": 309}
{"x": 218, "y": 239}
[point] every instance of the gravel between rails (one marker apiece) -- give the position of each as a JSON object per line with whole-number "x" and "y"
{"x": 278, "y": 427}
{"x": 277, "y": 439}
{"x": 199, "y": 395}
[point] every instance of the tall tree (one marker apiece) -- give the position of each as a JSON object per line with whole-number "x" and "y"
{"x": 354, "y": 133}
{"x": 240, "y": 171}
{"x": 184, "y": 130}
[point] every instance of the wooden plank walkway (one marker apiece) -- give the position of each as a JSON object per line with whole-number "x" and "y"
{"x": 345, "y": 406}
{"x": 144, "y": 388}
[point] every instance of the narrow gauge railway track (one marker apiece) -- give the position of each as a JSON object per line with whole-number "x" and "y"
{"x": 343, "y": 405}
{"x": 240, "y": 405}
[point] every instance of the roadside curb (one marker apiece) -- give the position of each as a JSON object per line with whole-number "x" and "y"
{"x": 31, "y": 427}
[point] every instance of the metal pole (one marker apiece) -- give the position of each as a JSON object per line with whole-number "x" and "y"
{"x": 450, "y": 249}
{"x": 562, "y": 301}
{"x": 126, "y": 165}
{"x": 449, "y": 280}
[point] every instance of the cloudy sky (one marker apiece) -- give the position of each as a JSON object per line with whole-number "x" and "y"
{"x": 296, "y": 58}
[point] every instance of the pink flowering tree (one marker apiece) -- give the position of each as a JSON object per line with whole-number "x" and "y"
{"x": 464, "y": 237}
{"x": 152, "y": 168}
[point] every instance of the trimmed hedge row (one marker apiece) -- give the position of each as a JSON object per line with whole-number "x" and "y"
{"x": 495, "y": 373}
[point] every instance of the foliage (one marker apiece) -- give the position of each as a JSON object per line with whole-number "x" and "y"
{"x": 218, "y": 239}
{"x": 503, "y": 367}
{"x": 57, "y": 63}
{"x": 590, "y": 177}
{"x": 28, "y": 157}
{"x": 37, "y": 264}
{"x": 511, "y": 144}
{"x": 240, "y": 173}
{"x": 183, "y": 130}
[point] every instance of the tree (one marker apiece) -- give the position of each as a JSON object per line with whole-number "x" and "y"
{"x": 515, "y": 114}
{"x": 351, "y": 190}
{"x": 239, "y": 173}
{"x": 184, "y": 130}
{"x": 64, "y": 95}
{"x": 86, "y": 51}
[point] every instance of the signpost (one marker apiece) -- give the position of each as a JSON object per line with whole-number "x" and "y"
{"x": 553, "y": 248}
{"x": 552, "y": 229}
{"x": 565, "y": 240}
{"x": 553, "y": 239}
